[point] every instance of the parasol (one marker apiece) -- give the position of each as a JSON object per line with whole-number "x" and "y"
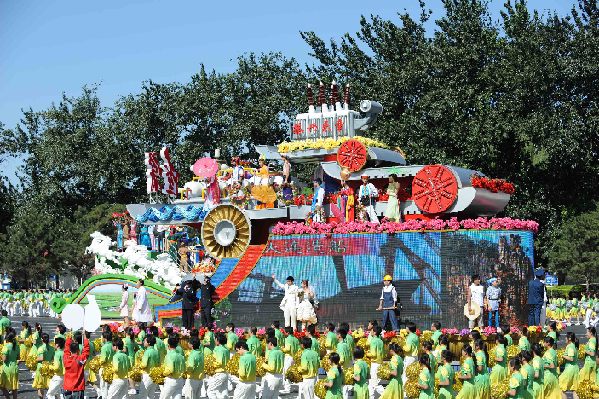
{"x": 205, "y": 168}
{"x": 264, "y": 194}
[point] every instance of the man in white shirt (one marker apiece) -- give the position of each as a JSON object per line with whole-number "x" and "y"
{"x": 476, "y": 295}
{"x": 142, "y": 305}
{"x": 388, "y": 303}
{"x": 290, "y": 301}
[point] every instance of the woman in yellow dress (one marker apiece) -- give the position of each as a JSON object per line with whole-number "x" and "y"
{"x": 589, "y": 370}
{"x": 394, "y": 389}
{"x": 481, "y": 380}
{"x": 9, "y": 376}
{"x": 550, "y": 383}
{"x": 426, "y": 381}
{"x": 445, "y": 375}
{"x": 537, "y": 364}
{"x": 23, "y": 335}
{"x": 467, "y": 371}
{"x": 499, "y": 372}
{"x": 45, "y": 353}
{"x": 568, "y": 379}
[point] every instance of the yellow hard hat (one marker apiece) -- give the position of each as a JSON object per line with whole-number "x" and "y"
{"x": 387, "y": 278}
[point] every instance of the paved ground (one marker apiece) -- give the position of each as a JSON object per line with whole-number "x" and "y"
{"x": 49, "y": 324}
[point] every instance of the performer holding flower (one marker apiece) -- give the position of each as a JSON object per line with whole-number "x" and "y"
{"x": 317, "y": 210}
{"x": 305, "y": 309}
{"x": 367, "y": 197}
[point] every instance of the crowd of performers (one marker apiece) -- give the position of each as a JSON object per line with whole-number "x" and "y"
{"x": 574, "y": 311}
{"x": 33, "y": 303}
{"x": 140, "y": 360}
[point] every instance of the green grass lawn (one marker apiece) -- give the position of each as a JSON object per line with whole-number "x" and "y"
{"x": 109, "y": 303}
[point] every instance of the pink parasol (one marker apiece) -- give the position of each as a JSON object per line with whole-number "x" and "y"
{"x": 205, "y": 168}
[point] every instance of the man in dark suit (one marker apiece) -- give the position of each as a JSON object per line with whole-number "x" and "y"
{"x": 188, "y": 302}
{"x": 536, "y": 296}
{"x": 206, "y": 301}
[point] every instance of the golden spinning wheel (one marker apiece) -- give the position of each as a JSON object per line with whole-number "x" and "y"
{"x": 226, "y": 232}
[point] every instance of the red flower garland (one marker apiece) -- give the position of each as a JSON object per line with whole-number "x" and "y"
{"x": 493, "y": 185}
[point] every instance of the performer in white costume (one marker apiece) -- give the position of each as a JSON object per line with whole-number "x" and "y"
{"x": 290, "y": 301}
{"x": 142, "y": 306}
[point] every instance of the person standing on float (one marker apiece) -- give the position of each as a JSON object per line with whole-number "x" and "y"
{"x": 388, "y": 303}
{"x": 290, "y": 301}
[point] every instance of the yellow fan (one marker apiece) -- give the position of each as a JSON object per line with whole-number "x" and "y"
{"x": 226, "y": 232}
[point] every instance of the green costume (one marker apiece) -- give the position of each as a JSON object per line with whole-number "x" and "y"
{"x": 131, "y": 347}
{"x": 468, "y": 390}
{"x": 344, "y": 354}
{"x": 275, "y": 361}
{"x": 221, "y": 356}
{"x": 120, "y": 365}
{"x": 528, "y": 374}
{"x": 292, "y": 345}
{"x": 46, "y": 352}
{"x": 254, "y": 346}
{"x": 331, "y": 341}
{"x": 361, "y": 387}
{"x": 395, "y": 388}
{"x": 150, "y": 359}
{"x": 550, "y": 383}
{"x": 446, "y": 374}
{"x": 517, "y": 383}
{"x": 335, "y": 376}
{"x": 482, "y": 382}
{"x": 537, "y": 384}
{"x": 424, "y": 378}
{"x": 247, "y": 368}
{"x": 174, "y": 364}
{"x": 195, "y": 364}
{"x": 377, "y": 350}
{"x": 9, "y": 376}
{"x": 232, "y": 339}
{"x": 523, "y": 344}
{"x": 349, "y": 340}
{"x": 568, "y": 379}
{"x": 310, "y": 362}
{"x": 208, "y": 342}
{"x": 499, "y": 372}
{"x": 589, "y": 369}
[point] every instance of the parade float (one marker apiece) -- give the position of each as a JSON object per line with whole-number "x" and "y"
{"x": 253, "y": 223}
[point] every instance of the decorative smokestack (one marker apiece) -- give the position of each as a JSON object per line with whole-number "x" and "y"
{"x": 334, "y": 94}
{"x": 310, "y": 99}
{"x": 346, "y": 97}
{"x": 321, "y": 99}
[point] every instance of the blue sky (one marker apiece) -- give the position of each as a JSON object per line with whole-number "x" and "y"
{"x": 50, "y": 47}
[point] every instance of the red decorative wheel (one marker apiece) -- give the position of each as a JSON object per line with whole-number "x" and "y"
{"x": 434, "y": 189}
{"x": 352, "y": 155}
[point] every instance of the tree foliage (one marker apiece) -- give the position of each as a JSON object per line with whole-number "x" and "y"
{"x": 514, "y": 99}
{"x": 576, "y": 250}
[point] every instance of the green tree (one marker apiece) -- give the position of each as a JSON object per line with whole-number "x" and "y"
{"x": 576, "y": 250}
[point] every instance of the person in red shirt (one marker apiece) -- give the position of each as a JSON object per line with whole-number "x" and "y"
{"x": 74, "y": 362}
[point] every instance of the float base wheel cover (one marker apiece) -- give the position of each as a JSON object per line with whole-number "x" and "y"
{"x": 226, "y": 232}
{"x": 352, "y": 155}
{"x": 434, "y": 189}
